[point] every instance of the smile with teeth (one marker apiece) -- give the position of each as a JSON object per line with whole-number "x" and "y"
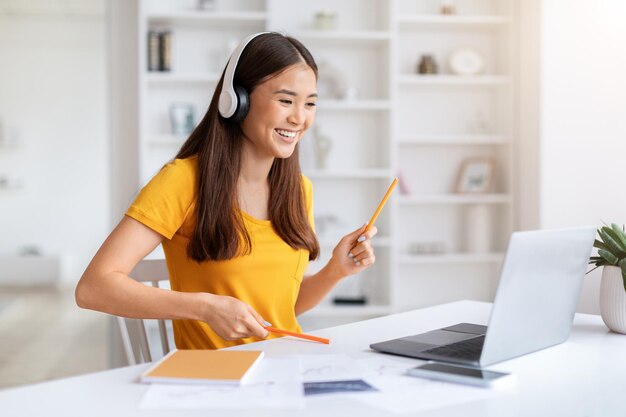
{"x": 286, "y": 133}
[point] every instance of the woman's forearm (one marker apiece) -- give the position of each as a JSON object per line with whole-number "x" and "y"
{"x": 118, "y": 294}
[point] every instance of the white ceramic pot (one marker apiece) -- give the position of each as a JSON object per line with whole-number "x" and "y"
{"x": 613, "y": 299}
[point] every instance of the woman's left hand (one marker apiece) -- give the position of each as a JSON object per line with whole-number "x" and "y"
{"x": 354, "y": 252}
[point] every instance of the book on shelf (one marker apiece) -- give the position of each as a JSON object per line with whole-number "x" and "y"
{"x": 204, "y": 366}
{"x": 159, "y": 50}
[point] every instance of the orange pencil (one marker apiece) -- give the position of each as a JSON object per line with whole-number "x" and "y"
{"x": 300, "y": 335}
{"x": 382, "y": 204}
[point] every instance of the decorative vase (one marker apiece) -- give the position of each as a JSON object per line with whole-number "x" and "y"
{"x": 325, "y": 20}
{"x": 427, "y": 65}
{"x": 323, "y": 145}
{"x": 613, "y": 299}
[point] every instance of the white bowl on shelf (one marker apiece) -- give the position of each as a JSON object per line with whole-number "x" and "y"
{"x": 466, "y": 61}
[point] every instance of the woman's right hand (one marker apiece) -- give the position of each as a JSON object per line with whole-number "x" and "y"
{"x": 231, "y": 318}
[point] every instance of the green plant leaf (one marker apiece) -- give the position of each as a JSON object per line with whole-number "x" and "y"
{"x": 619, "y": 235}
{"x": 615, "y": 239}
{"x": 599, "y": 244}
{"x": 613, "y": 246}
{"x": 598, "y": 261}
{"x": 608, "y": 256}
{"x": 622, "y": 265}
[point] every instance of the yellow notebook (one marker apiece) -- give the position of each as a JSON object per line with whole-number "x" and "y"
{"x": 232, "y": 367}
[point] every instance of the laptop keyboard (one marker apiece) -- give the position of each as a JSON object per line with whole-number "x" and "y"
{"x": 469, "y": 349}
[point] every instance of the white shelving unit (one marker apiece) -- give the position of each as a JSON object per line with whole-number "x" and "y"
{"x": 395, "y": 121}
{"x": 455, "y": 199}
{"x": 454, "y": 80}
{"x": 354, "y": 105}
{"x": 441, "y": 120}
{"x": 454, "y": 140}
{"x": 168, "y": 77}
{"x": 452, "y": 21}
{"x": 453, "y": 258}
{"x": 349, "y": 174}
{"x": 205, "y": 17}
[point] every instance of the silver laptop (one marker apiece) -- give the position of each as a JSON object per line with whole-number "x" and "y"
{"x": 533, "y": 309}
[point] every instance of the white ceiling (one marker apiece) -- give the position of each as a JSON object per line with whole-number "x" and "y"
{"x": 53, "y": 7}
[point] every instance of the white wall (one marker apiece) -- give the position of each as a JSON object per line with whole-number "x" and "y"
{"x": 53, "y": 94}
{"x": 583, "y": 118}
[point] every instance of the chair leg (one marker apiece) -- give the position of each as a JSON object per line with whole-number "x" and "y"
{"x": 128, "y": 347}
{"x": 143, "y": 342}
{"x": 165, "y": 346}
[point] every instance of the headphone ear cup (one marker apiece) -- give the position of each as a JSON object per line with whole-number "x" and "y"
{"x": 243, "y": 104}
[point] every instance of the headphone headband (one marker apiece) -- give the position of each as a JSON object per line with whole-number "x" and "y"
{"x": 228, "y": 101}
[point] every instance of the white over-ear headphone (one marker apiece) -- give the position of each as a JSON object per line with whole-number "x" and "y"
{"x": 234, "y": 102}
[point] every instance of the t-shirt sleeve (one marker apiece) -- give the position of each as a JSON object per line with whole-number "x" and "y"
{"x": 165, "y": 202}
{"x": 308, "y": 195}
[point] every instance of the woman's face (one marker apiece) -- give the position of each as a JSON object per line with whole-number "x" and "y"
{"x": 281, "y": 110}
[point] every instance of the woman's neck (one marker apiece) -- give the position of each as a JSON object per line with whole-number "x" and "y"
{"x": 252, "y": 184}
{"x": 254, "y": 168}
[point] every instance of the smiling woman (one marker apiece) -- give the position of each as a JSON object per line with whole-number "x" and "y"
{"x": 233, "y": 212}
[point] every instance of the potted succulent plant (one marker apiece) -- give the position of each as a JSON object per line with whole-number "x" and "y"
{"x": 612, "y": 257}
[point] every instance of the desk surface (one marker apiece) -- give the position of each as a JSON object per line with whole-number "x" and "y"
{"x": 586, "y": 376}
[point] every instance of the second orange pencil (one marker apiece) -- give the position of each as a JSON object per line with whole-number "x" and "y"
{"x": 300, "y": 335}
{"x": 382, "y": 204}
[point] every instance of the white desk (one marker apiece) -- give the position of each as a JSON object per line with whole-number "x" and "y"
{"x": 586, "y": 376}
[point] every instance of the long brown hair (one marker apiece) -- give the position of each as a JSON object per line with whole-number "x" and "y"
{"x": 220, "y": 232}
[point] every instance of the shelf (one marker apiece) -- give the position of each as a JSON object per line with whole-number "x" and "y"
{"x": 157, "y": 77}
{"x": 460, "y": 139}
{"x": 453, "y": 21}
{"x": 206, "y": 17}
{"x": 453, "y": 80}
{"x": 451, "y": 258}
{"x": 354, "y": 36}
{"x": 165, "y": 140}
{"x": 454, "y": 199}
{"x": 353, "y": 105}
{"x": 348, "y": 311}
{"x": 349, "y": 174}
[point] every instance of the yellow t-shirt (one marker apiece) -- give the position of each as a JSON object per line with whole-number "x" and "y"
{"x": 268, "y": 278}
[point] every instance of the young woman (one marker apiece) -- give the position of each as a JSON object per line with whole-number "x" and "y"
{"x": 233, "y": 213}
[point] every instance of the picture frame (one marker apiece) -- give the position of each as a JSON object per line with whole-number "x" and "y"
{"x": 476, "y": 176}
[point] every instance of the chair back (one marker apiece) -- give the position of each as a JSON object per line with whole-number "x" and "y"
{"x": 133, "y": 331}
